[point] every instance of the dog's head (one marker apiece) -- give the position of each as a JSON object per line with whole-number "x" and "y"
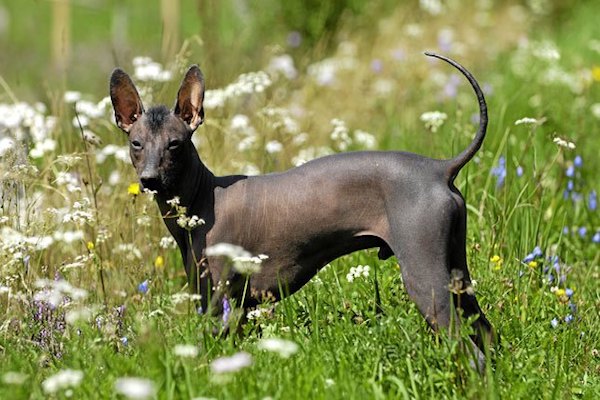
{"x": 159, "y": 139}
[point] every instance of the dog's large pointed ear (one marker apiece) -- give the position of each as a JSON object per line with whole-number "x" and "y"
{"x": 125, "y": 99}
{"x": 190, "y": 97}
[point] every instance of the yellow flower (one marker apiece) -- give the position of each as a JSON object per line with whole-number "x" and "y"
{"x": 596, "y": 73}
{"x": 134, "y": 189}
{"x": 560, "y": 292}
{"x": 497, "y": 262}
{"x": 532, "y": 264}
{"x": 90, "y": 246}
{"x": 159, "y": 262}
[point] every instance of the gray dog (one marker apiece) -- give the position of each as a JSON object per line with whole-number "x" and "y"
{"x": 404, "y": 204}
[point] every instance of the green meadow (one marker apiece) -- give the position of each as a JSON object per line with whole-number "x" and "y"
{"x": 93, "y": 294}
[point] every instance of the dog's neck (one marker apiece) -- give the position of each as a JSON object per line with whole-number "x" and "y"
{"x": 195, "y": 192}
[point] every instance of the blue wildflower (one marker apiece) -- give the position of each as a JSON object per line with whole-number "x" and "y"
{"x": 554, "y": 322}
{"x": 294, "y": 39}
{"x": 377, "y": 65}
{"x": 596, "y": 237}
{"x": 226, "y": 310}
{"x": 582, "y": 231}
{"x": 519, "y": 171}
{"x": 569, "y": 318}
{"x": 124, "y": 340}
{"x": 565, "y": 230}
{"x": 578, "y": 161}
{"x": 570, "y": 185}
{"x": 143, "y": 287}
{"x": 593, "y": 200}
{"x": 573, "y": 307}
{"x": 500, "y": 172}
{"x": 199, "y": 310}
{"x": 536, "y": 253}
{"x": 570, "y": 172}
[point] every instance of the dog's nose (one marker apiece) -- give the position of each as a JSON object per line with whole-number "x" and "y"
{"x": 150, "y": 180}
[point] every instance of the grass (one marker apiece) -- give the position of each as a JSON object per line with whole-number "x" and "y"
{"x": 110, "y": 244}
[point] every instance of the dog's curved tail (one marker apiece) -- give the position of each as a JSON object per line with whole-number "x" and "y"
{"x": 455, "y": 164}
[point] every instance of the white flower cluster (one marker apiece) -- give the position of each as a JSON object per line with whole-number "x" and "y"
{"x": 283, "y": 65}
{"x": 340, "y": 134}
{"x": 186, "y": 350}
{"x": 130, "y": 251}
{"x": 21, "y": 121}
{"x": 120, "y": 153}
{"x": 246, "y": 84}
{"x": 357, "y": 272}
{"x": 564, "y": 143}
{"x": 183, "y": 297}
{"x": 284, "y": 348}
{"x": 81, "y": 213}
{"x": 433, "y": 120}
{"x": 167, "y": 242}
{"x": 145, "y": 69}
{"x": 56, "y": 292}
{"x": 189, "y": 222}
{"x": 310, "y": 153}
{"x": 233, "y": 363}
{"x": 135, "y": 388}
{"x": 324, "y": 72}
{"x": 243, "y": 262}
{"x": 63, "y": 379}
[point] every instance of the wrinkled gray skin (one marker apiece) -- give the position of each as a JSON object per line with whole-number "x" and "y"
{"x": 402, "y": 203}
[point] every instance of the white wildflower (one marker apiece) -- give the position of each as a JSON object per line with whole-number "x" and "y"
{"x": 357, "y": 272}
{"x": 564, "y": 143}
{"x": 433, "y": 120}
{"x": 6, "y": 144}
{"x": 14, "y": 378}
{"x": 186, "y": 351}
{"x": 71, "y": 96}
{"x": 129, "y": 250}
{"x": 80, "y": 314}
{"x": 284, "y": 65}
{"x": 365, "y": 139}
{"x": 433, "y": 7}
{"x": 233, "y": 363}
{"x": 145, "y": 69}
{"x": 595, "y": 109}
{"x": 135, "y": 388}
{"x": 527, "y": 121}
{"x": 340, "y": 134}
{"x": 273, "y": 146}
{"x": 167, "y": 242}
{"x": 175, "y": 201}
{"x": 285, "y": 348}
{"x": 226, "y": 249}
{"x": 62, "y": 380}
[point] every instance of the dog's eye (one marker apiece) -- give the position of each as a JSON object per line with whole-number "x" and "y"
{"x": 136, "y": 145}
{"x": 173, "y": 144}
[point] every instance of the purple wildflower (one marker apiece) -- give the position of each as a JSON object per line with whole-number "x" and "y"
{"x": 569, "y": 318}
{"x": 570, "y": 185}
{"x": 582, "y": 231}
{"x": 294, "y": 39}
{"x": 500, "y": 172}
{"x": 565, "y": 230}
{"x": 226, "y": 310}
{"x": 592, "y": 201}
{"x": 519, "y": 171}
{"x": 578, "y": 161}
{"x": 596, "y": 237}
{"x": 377, "y": 65}
{"x": 570, "y": 172}
{"x": 573, "y": 307}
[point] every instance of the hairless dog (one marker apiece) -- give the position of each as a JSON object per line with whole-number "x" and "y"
{"x": 402, "y": 203}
